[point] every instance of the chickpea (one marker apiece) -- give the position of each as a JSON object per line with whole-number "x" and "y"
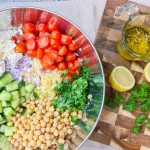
{"x": 37, "y": 132}
{"x": 47, "y": 136}
{"x": 14, "y": 119}
{"x": 16, "y": 124}
{"x": 53, "y": 141}
{"x": 51, "y": 109}
{"x": 43, "y": 146}
{"x": 52, "y": 129}
{"x": 60, "y": 126}
{"x": 39, "y": 142}
{"x": 33, "y": 127}
{"x": 42, "y": 138}
{"x": 27, "y": 127}
{"x": 47, "y": 107}
{"x": 25, "y": 137}
{"x": 38, "y": 126}
{"x": 16, "y": 144}
{"x": 38, "y": 117}
{"x": 36, "y": 122}
{"x": 48, "y": 103}
{"x": 55, "y": 124}
{"x": 65, "y": 120}
{"x": 44, "y": 111}
{"x": 43, "y": 123}
{"x": 21, "y": 110}
{"x": 36, "y": 109}
{"x": 49, "y": 144}
{"x": 74, "y": 114}
{"x": 25, "y": 143}
{"x": 49, "y": 114}
{"x": 27, "y": 101}
{"x": 61, "y": 133}
{"x": 20, "y": 147}
{"x": 15, "y": 129}
{"x": 33, "y": 143}
{"x": 56, "y": 133}
{"x": 39, "y": 112}
{"x": 46, "y": 119}
{"x": 35, "y": 137}
{"x": 64, "y": 129}
{"x": 61, "y": 141}
{"x": 69, "y": 131}
{"x": 12, "y": 141}
{"x": 24, "y": 104}
{"x": 56, "y": 113}
{"x": 30, "y": 136}
{"x": 79, "y": 116}
{"x": 43, "y": 130}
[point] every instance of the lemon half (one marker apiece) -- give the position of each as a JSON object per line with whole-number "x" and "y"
{"x": 121, "y": 79}
{"x": 147, "y": 72}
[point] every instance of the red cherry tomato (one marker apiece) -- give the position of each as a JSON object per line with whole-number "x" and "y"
{"x": 47, "y": 61}
{"x": 71, "y": 66}
{"x": 68, "y": 77}
{"x": 52, "y": 67}
{"x": 52, "y": 26}
{"x": 48, "y": 50}
{"x": 55, "y": 43}
{"x": 53, "y": 55}
{"x": 28, "y": 36}
{"x": 44, "y": 17}
{"x": 70, "y": 57}
{"x": 63, "y": 51}
{"x": 55, "y": 35}
{"x": 62, "y": 66}
{"x": 31, "y": 44}
{"x": 66, "y": 40}
{"x": 40, "y": 53}
{"x": 18, "y": 38}
{"x": 72, "y": 71}
{"x": 31, "y": 15}
{"x": 77, "y": 63}
{"x": 31, "y": 53}
{"x": 20, "y": 48}
{"x": 44, "y": 34}
{"x": 73, "y": 46}
{"x": 28, "y": 27}
{"x": 60, "y": 59}
{"x": 41, "y": 27}
{"x": 43, "y": 42}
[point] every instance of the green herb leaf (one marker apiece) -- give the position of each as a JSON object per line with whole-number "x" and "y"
{"x": 136, "y": 129}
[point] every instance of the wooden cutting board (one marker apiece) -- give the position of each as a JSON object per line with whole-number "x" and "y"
{"x": 114, "y": 125}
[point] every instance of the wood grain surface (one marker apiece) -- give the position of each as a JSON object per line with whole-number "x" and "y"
{"x": 114, "y": 126}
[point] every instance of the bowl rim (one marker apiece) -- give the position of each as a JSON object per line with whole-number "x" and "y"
{"x": 100, "y": 62}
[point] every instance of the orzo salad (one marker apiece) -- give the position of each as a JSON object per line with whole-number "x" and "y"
{"x": 44, "y": 88}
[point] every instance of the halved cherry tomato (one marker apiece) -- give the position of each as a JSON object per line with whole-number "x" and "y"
{"x": 20, "y": 48}
{"x": 52, "y": 26}
{"x": 77, "y": 63}
{"x": 31, "y": 44}
{"x": 60, "y": 59}
{"x": 62, "y": 66}
{"x": 44, "y": 17}
{"x": 41, "y": 27}
{"x": 28, "y": 36}
{"x": 70, "y": 57}
{"x": 71, "y": 66}
{"x": 68, "y": 77}
{"x": 55, "y": 43}
{"x": 52, "y": 67}
{"x": 55, "y": 35}
{"x": 44, "y": 34}
{"x": 47, "y": 61}
{"x": 31, "y": 53}
{"x": 40, "y": 53}
{"x": 28, "y": 27}
{"x": 63, "y": 51}
{"x": 73, "y": 46}
{"x": 48, "y": 50}
{"x": 43, "y": 42}
{"x": 53, "y": 55}
{"x": 66, "y": 40}
{"x": 72, "y": 71}
{"x": 18, "y": 38}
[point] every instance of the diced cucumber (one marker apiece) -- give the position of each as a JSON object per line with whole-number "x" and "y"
{"x": 22, "y": 100}
{"x": 15, "y": 103}
{"x": 23, "y": 91}
{"x": 6, "y": 103}
{"x": 1, "y": 109}
{"x": 15, "y": 95}
{"x": 2, "y": 129}
{"x": 9, "y": 131}
{"x": 21, "y": 83}
{"x": 8, "y": 111}
{"x": 37, "y": 94}
{"x": 2, "y": 122}
{"x": 28, "y": 95}
{"x": 6, "y": 78}
{"x": 2, "y": 88}
{"x": 30, "y": 87}
{"x": 8, "y": 118}
{"x": 1, "y": 118}
{"x": 5, "y": 96}
{"x": 12, "y": 86}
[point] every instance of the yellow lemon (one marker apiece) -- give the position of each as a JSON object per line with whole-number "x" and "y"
{"x": 121, "y": 79}
{"x": 147, "y": 72}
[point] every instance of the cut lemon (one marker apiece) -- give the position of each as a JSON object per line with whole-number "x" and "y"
{"x": 147, "y": 72}
{"x": 121, "y": 79}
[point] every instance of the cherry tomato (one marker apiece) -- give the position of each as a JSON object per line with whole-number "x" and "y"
{"x": 52, "y": 26}
{"x": 44, "y": 17}
{"x": 41, "y": 27}
{"x": 73, "y": 46}
{"x": 28, "y": 27}
{"x": 20, "y": 48}
{"x": 52, "y": 67}
{"x": 60, "y": 59}
{"x": 18, "y": 38}
{"x": 43, "y": 42}
{"x": 71, "y": 66}
{"x": 66, "y": 40}
{"x": 48, "y": 50}
{"x": 40, "y": 53}
{"x": 31, "y": 44}
{"x": 44, "y": 34}
{"x": 55, "y": 35}
{"x": 68, "y": 77}
{"x": 31, "y": 15}
{"x": 55, "y": 43}
{"x": 62, "y": 66}
{"x": 31, "y": 53}
{"x": 77, "y": 63}
{"x": 28, "y": 36}
{"x": 47, "y": 61}
{"x": 53, "y": 55}
{"x": 63, "y": 51}
{"x": 70, "y": 57}
{"x": 72, "y": 71}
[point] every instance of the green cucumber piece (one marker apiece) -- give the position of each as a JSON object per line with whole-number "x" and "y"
{"x": 22, "y": 99}
{"x": 15, "y": 95}
{"x": 9, "y": 131}
{"x": 8, "y": 118}
{"x": 2, "y": 129}
{"x": 15, "y": 103}
{"x": 8, "y": 111}
{"x": 12, "y": 86}
{"x": 37, "y": 94}
{"x": 6, "y": 103}
{"x": 1, "y": 109}
{"x": 28, "y": 95}
{"x": 1, "y": 118}
{"x": 30, "y": 88}
{"x": 6, "y": 78}
{"x": 21, "y": 83}
{"x": 5, "y": 96}
{"x": 23, "y": 91}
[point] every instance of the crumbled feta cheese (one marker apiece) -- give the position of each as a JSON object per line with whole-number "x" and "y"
{"x": 2, "y": 68}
